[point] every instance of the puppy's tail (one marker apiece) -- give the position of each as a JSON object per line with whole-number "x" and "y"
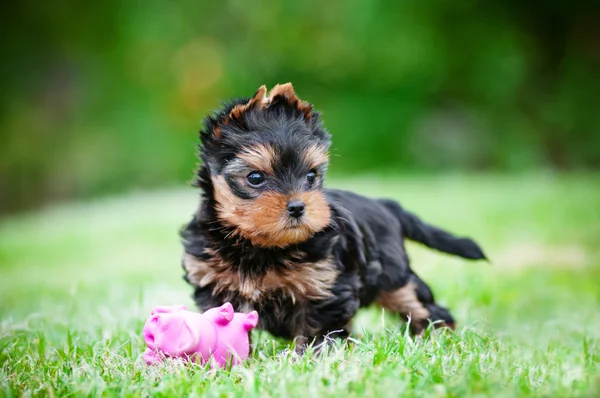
{"x": 417, "y": 230}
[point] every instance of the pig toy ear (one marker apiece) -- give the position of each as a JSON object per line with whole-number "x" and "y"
{"x": 168, "y": 308}
{"x": 251, "y": 321}
{"x": 225, "y": 314}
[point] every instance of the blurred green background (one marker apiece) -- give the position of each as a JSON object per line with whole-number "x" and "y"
{"x": 481, "y": 116}
{"x": 102, "y": 97}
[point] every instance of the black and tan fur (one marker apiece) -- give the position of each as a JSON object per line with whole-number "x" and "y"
{"x": 308, "y": 275}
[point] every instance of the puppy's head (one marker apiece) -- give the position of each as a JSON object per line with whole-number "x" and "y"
{"x": 264, "y": 159}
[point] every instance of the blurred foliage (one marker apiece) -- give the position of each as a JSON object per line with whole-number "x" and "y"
{"x": 103, "y": 96}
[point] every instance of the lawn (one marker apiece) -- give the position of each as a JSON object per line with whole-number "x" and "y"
{"x": 77, "y": 282}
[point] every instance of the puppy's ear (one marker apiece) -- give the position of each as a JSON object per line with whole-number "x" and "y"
{"x": 258, "y": 100}
{"x": 285, "y": 92}
{"x": 214, "y": 123}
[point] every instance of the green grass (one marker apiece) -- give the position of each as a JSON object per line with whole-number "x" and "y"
{"x": 78, "y": 281}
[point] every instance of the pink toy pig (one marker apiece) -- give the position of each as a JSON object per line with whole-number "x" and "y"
{"x": 219, "y": 335}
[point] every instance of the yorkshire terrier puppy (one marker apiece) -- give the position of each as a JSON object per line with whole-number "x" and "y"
{"x": 269, "y": 237}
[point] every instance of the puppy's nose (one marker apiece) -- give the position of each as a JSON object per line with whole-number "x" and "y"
{"x": 295, "y": 208}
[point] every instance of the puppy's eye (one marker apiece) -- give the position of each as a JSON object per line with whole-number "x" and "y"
{"x": 256, "y": 178}
{"x": 311, "y": 177}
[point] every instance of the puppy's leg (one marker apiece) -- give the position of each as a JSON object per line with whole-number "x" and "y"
{"x": 329, "y": 319}
{"x": 415, "y": 302}
{"x": 319, "y": 343}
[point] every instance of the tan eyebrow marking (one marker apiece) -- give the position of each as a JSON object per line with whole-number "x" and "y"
{"x": 315, "y": 156}
{"x": 260, "y": 157}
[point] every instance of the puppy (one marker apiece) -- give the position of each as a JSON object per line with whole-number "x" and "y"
{"x": 268, "y": 237}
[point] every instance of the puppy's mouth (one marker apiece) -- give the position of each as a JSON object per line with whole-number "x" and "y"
{"x": 295, "y": 223}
